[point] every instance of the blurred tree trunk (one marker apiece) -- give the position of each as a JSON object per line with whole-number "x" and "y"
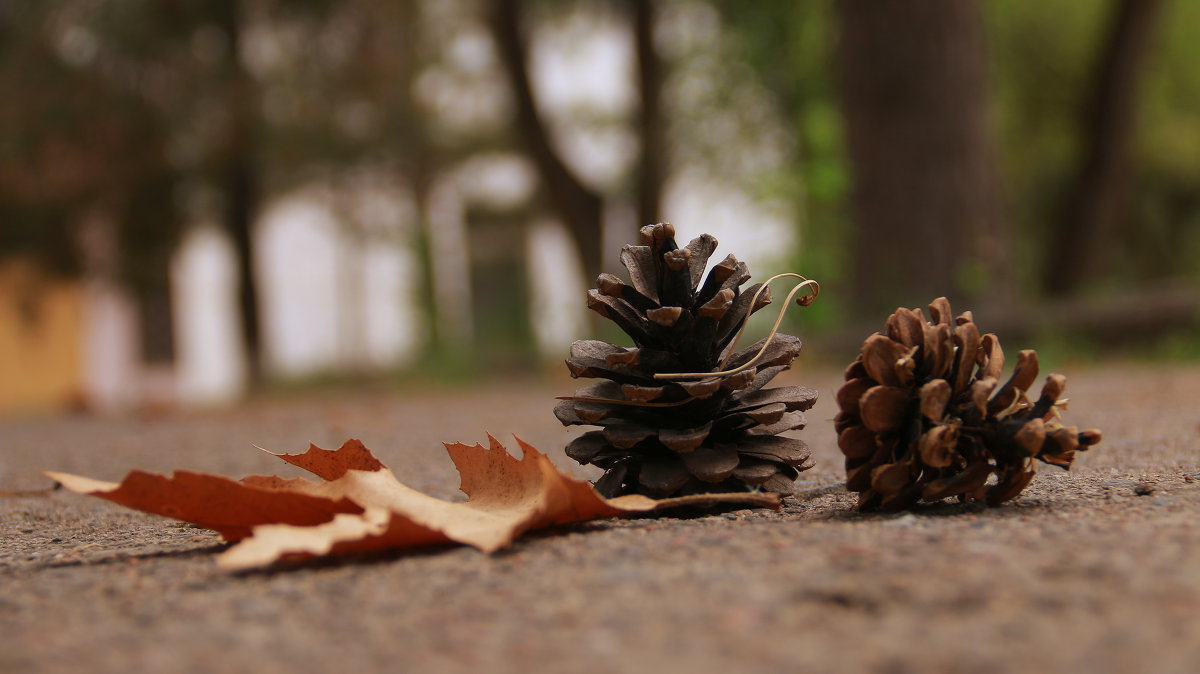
{"x": 924, "y": 198}
{"x": 419, "y": 169}
{"x": 242, "y": 195}
{"x": 578, "y": 205}
{"x": 652, "y": 169}
{"x": 419, "y": 181}
{"x": 240, "y": 178}
{"x": 1099, "y": 196}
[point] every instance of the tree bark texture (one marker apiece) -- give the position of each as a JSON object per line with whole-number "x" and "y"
{"x": 1108, "y": 122}
{"x": 580, "y": 208}
{"x": 924, "y": 199}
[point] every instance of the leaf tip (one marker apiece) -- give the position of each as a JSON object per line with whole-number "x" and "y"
{"x": 526, "y": 448}
{"x": 495, "y": 445}
{"x": 80, "y": 484}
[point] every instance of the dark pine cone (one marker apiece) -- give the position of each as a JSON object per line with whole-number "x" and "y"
{"x": 922, "y": 417}
{"x": 715, "y": 433}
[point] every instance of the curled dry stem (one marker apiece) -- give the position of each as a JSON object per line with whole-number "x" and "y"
{"x": 803, "y": 301}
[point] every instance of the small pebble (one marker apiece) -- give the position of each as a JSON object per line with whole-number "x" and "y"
{"x": 1143, "y": 489}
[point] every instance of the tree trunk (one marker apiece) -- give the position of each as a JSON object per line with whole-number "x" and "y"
{"x": 241, "y": 185}
{"x": 419, "y": 179}
{"x": 580, "y": 208}
{"x": 924, "y": 198}
{"x": 652, "y": 168}
{"x": 242, "y": 195}
{"x": 1098, "y": 199}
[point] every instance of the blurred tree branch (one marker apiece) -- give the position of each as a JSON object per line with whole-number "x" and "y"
{"x": 240, "y": 177}
{"x": 579, "y": 206}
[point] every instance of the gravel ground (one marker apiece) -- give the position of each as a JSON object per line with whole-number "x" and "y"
{"x": 1092, "y": 570}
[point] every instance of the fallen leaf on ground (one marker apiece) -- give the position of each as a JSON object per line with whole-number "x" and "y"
{"x": 360, "y": 506}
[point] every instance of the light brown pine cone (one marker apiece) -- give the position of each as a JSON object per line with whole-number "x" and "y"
{"x": 922, "y": 416}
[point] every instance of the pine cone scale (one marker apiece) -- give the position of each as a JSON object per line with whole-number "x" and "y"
{"x": 966, "y": 340}
{"x": 884, "y": 408}
{"x": 767, "y": 414}
{"x": 790, "y": 451}
{"x": 701, "y": 249}
{"x": 625, "y": 434}
{"x": 711, "y": 464}
{"x": 752, "y": 472}
{"x": 620, "y": 312}
{"x": 790, "y": 421}
{"x": 684, "y": 440}
{"x": 782, "y": 350}
{"x": 849, "y": 394}
{"x": 587, "y": 447}
{"x": 880, "y": 356}
{"x": 793, "y": 397}
{"x": 661, "y": 475}
{"x": 639, "y": 260}
{"x": 723, "y": 276}
{"x": 857, "y": 442}
{"x": 906, "y": 327}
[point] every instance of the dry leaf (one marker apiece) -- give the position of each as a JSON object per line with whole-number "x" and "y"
{"x": 360, "y": 505}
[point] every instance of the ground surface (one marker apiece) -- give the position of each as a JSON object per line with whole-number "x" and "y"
{"x": 1095, "y": 570}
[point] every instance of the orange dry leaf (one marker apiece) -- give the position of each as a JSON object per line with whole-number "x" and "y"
{"x": 361, "y": 506}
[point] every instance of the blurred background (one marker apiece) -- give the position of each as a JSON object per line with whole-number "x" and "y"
{"x": 202, "y": 198}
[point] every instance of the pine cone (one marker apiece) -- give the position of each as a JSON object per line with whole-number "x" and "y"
{"x": 715, "y": 433}
{"x": 922, "y": 417}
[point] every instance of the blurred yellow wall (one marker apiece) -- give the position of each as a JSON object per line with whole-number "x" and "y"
{"x": 41, "y": 332}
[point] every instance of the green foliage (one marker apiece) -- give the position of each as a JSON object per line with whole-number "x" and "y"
{"x": 1043, "y": 61}
{"x": 790, "y": 46}
{"x": 1164, "y": 233}
{"x": 1175, "y": 346}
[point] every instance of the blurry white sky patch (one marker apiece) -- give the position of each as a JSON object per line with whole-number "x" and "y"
{"x": 333, "y": 297}
{"x": 583, "y": 78}
{"x": 297, "y": 268}
{"x": 390, "y": 319}
{"x": 464, "y": 89}
{"x": 211, "y": 366}
{"x": 556, "y": 284}
{"x": 501, "y": 180}
{"x": 759, "y": 234}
